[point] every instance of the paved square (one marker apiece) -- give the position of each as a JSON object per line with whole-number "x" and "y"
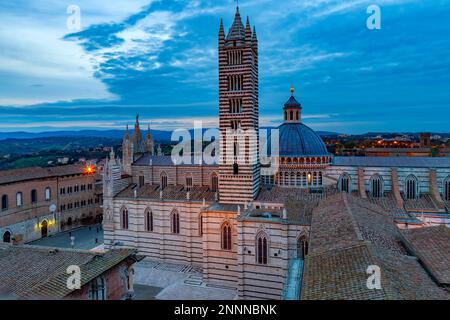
{"x": 178, "y": 282}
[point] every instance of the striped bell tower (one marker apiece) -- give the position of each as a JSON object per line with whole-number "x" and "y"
{"x": 238, "y": 113}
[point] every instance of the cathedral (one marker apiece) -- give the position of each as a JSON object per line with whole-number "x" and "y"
{"x": 259, "y": 221}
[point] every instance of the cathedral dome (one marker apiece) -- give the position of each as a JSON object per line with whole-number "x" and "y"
{"x": 297, "y": 140}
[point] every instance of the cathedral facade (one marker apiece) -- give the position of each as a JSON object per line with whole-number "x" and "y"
{"x": 246, "y": 221}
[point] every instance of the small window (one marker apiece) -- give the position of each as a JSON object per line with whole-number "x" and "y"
{"x": 34, "y": 196}
{"x": 5, "y": 202}
{"x": 48, "y": 194}
{"x": 226, "y": 236}
{"x": 149, "y": 220}
{"x": 262, "y": 249}
{"x": 214, "y": 182}
{"x": 141, "y": 181}
{"x": 189, "y": 182}
{"x": 411, "y": 187}
{"x": 163, "y": 180}
{"x": 175, "y": 222}
{"x": 124, "y": 219}
{"x": 447, "y": 189}
{"x": 235, "y": 169}
{"x": 200, "y": 225}
{"x": 97, "y": 289}
{"x": 302, "y": 247}
{"x": 19, "y": 199}
{"x": 7, "y": 237}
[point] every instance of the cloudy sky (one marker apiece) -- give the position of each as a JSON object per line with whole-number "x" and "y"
{"x": 159, "y": 58}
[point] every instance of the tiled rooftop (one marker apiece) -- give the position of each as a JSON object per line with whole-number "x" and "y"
{"x": 172, "y": 192}
{"x": 432, "y": 246}
{"x": 16, "y": 175}
{"x": 30, "y": 272}
{"x": 348, "y": 234}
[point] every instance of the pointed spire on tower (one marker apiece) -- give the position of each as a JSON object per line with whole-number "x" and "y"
{"x": 248, "y": 31}
{"x": 254, "y": 38}
{"x": 237, "y": 31}
{"x": 221, "y": 33}
{"x": 127, "y": 133}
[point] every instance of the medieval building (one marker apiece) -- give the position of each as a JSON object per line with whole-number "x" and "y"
{"x": 249, "y": 221}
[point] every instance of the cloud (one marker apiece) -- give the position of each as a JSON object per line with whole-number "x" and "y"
{"x": 159, "y": 58}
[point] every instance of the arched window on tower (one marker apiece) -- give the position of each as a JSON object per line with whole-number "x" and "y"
{"x": 148, "y": 220}
{"x": 175, "y": 222}
{"x": 320, "y": 178}
{"x": 226, "y": 236}
{"x": 344, "y": 183}
{"x": 447, "y": 189}
{"x": 163, "y": 180}
{"x": 376, "y": 184}
{"x": 261, "y": 248}
{"x": 124, "y": 218}
{"x": 411, "y": 184}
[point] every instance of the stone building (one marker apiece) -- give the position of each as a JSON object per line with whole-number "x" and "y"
{"x": 246, "y": 221}
{"x": 38, "y": 202}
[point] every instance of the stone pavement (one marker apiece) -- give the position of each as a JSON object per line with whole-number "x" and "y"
{"x": 178, "y": 282}
{"x": 85, "y": 238}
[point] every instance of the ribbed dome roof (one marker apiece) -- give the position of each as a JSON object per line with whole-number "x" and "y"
{"x": 297, "y": 139}
{"x": 292, "y": 103}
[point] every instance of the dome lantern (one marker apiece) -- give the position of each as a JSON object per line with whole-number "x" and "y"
{"x": 292, "y": 109}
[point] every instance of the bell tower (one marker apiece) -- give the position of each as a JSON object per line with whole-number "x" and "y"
{"x": 238, "y": 113}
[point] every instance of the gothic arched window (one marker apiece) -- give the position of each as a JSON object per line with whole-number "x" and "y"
{"x": 148, "y": 220}
{"x": 124, "y": 218}
{"x": 344, "y": 183}
{"x": 376, "y": 184}
{"x": 447, "y": 189}
{"x": 226, "y": 236}
{"x": 214, "y": 182}
{"x": 163, "y": 180}
{"x": 302, "y": 247}
{"x": 4, "y": 202}
{"x": 261, "y": 248}
{"x": 411, "y": 184}
{"x": 175, "y": 223}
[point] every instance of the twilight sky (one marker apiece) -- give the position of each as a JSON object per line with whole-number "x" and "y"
{"x": 159, "y": 58}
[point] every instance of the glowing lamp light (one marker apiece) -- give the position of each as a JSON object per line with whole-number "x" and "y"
{"x": 309, "y": 177}
{"x": 89, "y": 169}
